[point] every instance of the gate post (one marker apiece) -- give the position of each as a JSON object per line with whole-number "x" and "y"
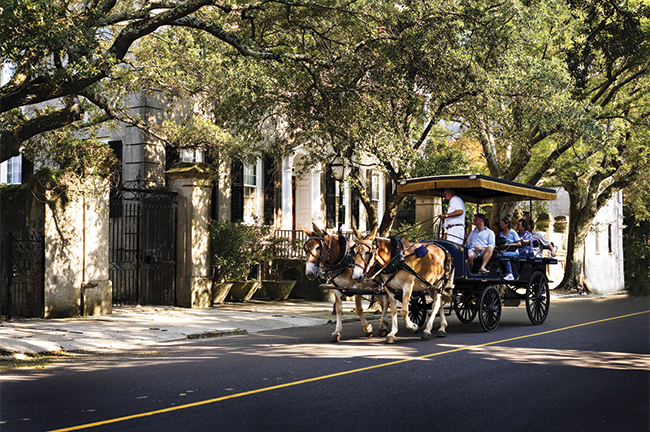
{"x": 426, "y": 209}
{"x": 192, "y": 184}
{"x": 76, "y": 252}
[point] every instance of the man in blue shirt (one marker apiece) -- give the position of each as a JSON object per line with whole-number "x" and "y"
{"x": 480, "y": 243}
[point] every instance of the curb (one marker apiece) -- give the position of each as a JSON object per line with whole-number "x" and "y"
{"x": 216, "y": 333}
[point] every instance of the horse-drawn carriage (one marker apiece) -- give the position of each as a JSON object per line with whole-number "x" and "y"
{"x": 407, "y": 272}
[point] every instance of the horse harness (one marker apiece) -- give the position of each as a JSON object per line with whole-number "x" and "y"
{"x": 335, "y": 269}
{"x": 398, "y": 262}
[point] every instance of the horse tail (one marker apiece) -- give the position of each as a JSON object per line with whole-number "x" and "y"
{"x": 447, "y": 284}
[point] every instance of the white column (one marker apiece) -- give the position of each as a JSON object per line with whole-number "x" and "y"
{"x": 287, "y": 201}
{"x": 382, "y": 197}
{"x": 347, "y": 199}
{"x": 259, "y": 190}
{"x": 316, "y": 215}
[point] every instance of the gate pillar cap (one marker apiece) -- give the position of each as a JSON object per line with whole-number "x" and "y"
{"x": 189, "y": 170}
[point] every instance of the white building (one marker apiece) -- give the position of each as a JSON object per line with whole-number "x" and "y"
{"x": 603, "y": 245}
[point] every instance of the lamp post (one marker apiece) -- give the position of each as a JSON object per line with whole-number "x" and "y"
{"x": 338, "y": 173}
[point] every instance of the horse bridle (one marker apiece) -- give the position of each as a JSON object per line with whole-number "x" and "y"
{"x": 373, "y": 251}
{"x": 325, "y": 245}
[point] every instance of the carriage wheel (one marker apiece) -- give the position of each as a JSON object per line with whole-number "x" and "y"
{"x": 538, "y": 298}
{"x": 489, "y": 309}
{"x": 418, "y": 309}
{"x": 465, "y": 307}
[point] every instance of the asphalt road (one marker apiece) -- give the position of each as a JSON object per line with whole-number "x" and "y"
{"x": 586, "y": 369}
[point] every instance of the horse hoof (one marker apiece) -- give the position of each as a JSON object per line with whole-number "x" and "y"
{"x": 425, "y": 335}
{"x": 441, "y": 333}
{"x": 383, "y": 333}
{"x": 414, "y": 329}
{"x": 390, "y": 340}
{"x": 335, "y": 337}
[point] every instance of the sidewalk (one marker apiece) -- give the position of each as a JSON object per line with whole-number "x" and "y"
{"x": 136, "y": 328}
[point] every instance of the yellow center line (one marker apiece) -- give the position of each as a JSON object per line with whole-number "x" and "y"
{"x": 334, "y": 375}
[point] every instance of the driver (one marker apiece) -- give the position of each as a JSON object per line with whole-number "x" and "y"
{"x": 480, "y": 243}
{"x": 454, "y": 219}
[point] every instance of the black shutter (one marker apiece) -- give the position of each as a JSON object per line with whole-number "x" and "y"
{"x": 355, "y": 208}
{"x": 237, "y": 189}
{"x": 269, "y": 190}
{"x": 330, "y": 198}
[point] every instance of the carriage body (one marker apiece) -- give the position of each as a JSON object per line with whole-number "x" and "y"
{"x": 481, "y": 295}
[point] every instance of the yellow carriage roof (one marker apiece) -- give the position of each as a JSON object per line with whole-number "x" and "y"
{"x": 476, "y": 188}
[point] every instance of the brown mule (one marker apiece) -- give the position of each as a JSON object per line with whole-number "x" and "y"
{"x": 415, "y": 267}
{"x": 327, "y": 251}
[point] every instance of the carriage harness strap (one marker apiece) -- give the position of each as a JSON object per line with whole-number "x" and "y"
{"x": 333, "y": 270}
{"x": 397, "y": 262}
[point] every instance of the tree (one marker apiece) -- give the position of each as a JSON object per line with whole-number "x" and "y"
{"x": 571, "y": 110}
{"x": 68, "y": 56}
{"x": 380, "y": 98}
{"x": 609, "y": 61}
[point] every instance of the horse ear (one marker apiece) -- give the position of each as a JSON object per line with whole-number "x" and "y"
{"x": 373, "y": 233}
{"x": 317, "y": 230}
{"x": 306, "y": 231}
{"x": 357, "y": 234}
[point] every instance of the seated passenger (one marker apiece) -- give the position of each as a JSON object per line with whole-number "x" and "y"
{"x": 526, "y": 239}
{"x": 543, "y": 242}
{"x": 480, "y": 243}
{"x": 511, "y": 241}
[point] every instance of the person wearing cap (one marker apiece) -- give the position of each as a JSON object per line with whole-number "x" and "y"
{"x": 454, "y": 219}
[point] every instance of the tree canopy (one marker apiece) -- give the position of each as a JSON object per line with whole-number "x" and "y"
{"x": 68, "y": 56}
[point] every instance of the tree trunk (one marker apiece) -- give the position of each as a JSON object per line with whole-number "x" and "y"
{"x": 390, "y": 214}
{"x": 580, "y": 218}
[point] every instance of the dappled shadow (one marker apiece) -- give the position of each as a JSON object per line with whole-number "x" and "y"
{"x": 556, "y": 357}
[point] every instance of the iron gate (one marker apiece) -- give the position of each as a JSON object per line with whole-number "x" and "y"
{"x": 142, "y": 247}
{"x": 24, "y": 290}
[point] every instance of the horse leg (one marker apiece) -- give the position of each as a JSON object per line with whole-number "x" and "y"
{"x": 442, "y": 331}
{"x": 358, "y": 307}
{"x": 338, "y": 306}
{"x": 437, "y": 300}
{"x": 406, "y": 297}
{"x": 390, "y": 338}
{"x": 383, "y": 324}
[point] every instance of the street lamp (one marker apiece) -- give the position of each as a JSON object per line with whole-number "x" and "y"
{"x": 338, "y": 173}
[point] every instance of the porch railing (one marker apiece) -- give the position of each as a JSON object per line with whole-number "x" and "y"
{"x": 293, "y": 237}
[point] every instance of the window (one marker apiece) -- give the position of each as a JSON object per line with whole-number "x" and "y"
{"x": 374, "y": 189}
{"x": 11, "y": 170}
{"x": 609, "y": 238}
{"x": 250, "y": 191}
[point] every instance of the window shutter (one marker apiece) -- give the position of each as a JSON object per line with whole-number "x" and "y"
{"x": 330, "y": 198}
{"x": 237, "y": 188}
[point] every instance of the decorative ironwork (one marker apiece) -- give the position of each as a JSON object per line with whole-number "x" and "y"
{"x": 24, "y": 291}
{"x": 142, "y": 246}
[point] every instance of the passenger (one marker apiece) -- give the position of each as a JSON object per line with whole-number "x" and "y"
{"x": 526, "y": 239}
{"x": 511, "y": 241}
{"x": 543, "y": 242}
{"x": 454, "y": 219}
{"x": 480, "y": 243}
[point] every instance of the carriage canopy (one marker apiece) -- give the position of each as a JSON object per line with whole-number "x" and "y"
{"x": 476, "y": 188}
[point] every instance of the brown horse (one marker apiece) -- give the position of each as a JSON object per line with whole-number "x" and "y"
{"x": 332, "y": 253}
{"x": 401, "y": 265}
